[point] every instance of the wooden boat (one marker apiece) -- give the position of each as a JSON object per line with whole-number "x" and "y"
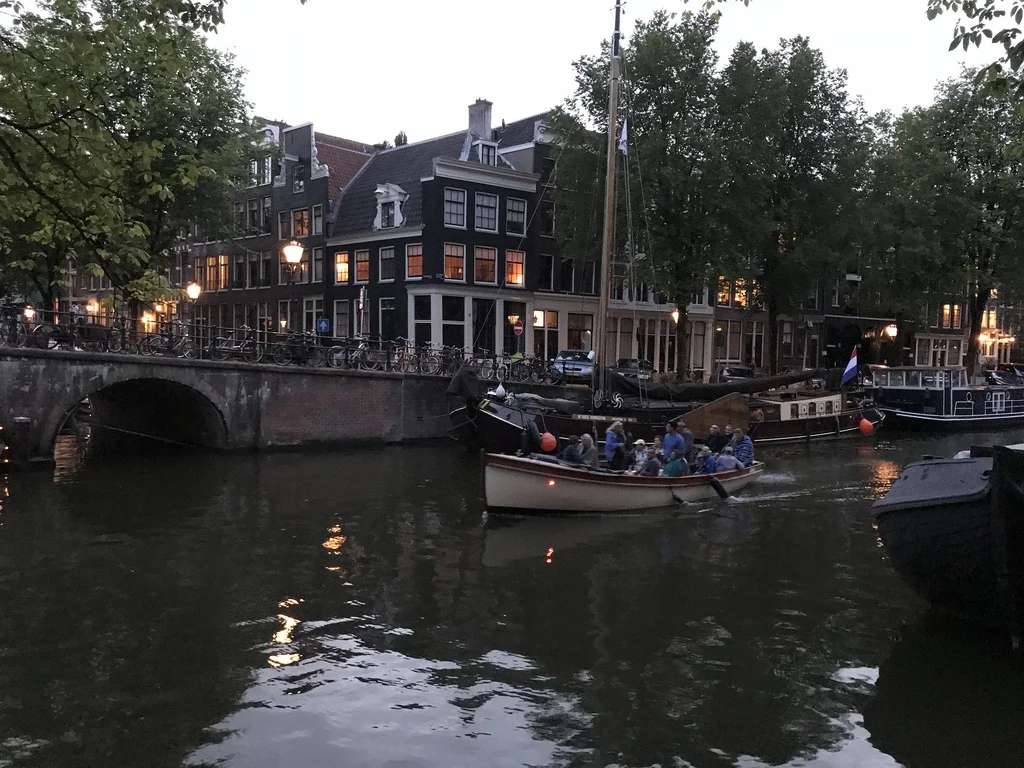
{"x": 941, "y": 398}
{"x": 542, "y": 484}
{"x": 954, "y": 531}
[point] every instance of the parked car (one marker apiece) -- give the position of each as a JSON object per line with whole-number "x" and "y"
{"x": 574, "y": 365}
{"x": 632, "y": 368}
{"x": 730, "y": 373}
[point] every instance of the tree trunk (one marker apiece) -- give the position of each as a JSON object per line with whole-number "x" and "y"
{"x": 976, "y": 306}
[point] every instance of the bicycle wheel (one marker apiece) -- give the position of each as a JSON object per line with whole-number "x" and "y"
{"x": 370, "y": 360}
{"x": 282, "y": 354}
{"x": 115, "y": 341}
{"x": 430, "y": 364}
{"x": 487, "y": 370}
{"x": 14, "y": 333}
{"x": 218, "y": 351}
{"x": 252, "y": 352}
{"x": 316, "y": 356}
{"x": 45, "y": 336}
{"x": 189, "y": 348}
{"x": 151, "y": 345}
{"x": 337, "y": 357}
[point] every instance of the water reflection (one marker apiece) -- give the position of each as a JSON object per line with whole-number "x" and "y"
{"x": 267, "y": 611}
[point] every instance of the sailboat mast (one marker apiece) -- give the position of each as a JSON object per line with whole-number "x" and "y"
{"x": 600, "y": 345}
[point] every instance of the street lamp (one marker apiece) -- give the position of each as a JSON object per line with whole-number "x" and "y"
{"x": 675, "y": 315}
{"x": 92, "y": 307}
{"x": 891, "y": 330}
{"x": 292, "y": 251}
{"x": 192, "y": 290}
{"x": 29, "y": 313}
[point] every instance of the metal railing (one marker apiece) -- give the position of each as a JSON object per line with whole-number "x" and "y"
{"x": 21, "y": 327}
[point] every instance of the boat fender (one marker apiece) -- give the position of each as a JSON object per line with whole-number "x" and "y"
{"x": 758, "y": 415}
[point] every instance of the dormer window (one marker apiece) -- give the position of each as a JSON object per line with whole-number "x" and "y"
{"x": 390, "y": 201}
{"x": 298, "y": 178}
{"x": 487, "y": 153}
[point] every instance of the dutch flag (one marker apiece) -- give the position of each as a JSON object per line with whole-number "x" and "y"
{"x": 851, "y": 369}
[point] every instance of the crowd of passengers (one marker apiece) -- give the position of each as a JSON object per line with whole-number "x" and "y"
{"x": 673, "y": 455}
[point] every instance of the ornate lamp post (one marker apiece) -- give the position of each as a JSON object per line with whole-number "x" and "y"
{"x": 292, "y": 251}
{"x": 192, "y": 290}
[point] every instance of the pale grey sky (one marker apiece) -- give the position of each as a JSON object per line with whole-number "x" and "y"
{"x": 366, "y": 70}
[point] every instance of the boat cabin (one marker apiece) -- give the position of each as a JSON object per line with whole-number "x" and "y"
{"x": 944, "y": 393}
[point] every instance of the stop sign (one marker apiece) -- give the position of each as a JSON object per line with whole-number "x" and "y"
{"x": 518, "y": 327}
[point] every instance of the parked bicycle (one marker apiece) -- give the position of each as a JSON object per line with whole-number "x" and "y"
{"x": 241, "y": 343}
{"x": 172, "y": 340}
{"x": 300, "y": 347}
{"x": 13, "y": 326}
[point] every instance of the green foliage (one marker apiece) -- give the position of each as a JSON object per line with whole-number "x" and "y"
{"x": 752, "y": 171}
{"x": 119, "y": 125}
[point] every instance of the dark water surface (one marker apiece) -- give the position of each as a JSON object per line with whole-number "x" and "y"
{"x": 353, "y": 609}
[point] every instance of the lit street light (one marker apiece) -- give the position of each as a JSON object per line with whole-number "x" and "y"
{"x": 292, "y": 251}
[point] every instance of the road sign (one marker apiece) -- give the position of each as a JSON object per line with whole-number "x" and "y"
{"x": 518, "y": 327}
{"x": 323, "y": 325}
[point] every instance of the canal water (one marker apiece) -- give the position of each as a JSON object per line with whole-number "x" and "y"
{"x": 356, "y": 609}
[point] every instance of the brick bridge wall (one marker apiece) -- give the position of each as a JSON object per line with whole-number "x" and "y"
{"x": 229, "y": 405}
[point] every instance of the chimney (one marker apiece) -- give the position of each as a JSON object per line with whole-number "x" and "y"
{"x": 480, "y": 119}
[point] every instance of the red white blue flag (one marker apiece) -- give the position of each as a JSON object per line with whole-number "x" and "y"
{"x": 851, "y": 369}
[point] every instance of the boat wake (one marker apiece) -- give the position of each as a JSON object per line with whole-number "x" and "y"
{"x": 776, "y": 478}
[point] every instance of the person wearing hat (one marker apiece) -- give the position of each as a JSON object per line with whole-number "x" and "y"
{"x": 639, "y": 456}
{"x": 726, "y": 459}
{"x": 706, "y": 464}
{"x": 743, "y": 447}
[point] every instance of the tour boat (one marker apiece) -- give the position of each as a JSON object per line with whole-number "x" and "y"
{"x": 536, "y": 483}
{"x": 954, "y": 531}
{"x": 941, "y": 398}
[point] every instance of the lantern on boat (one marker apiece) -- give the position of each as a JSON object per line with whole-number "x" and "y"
{"x": 866, "y": 427}
{"x": 548, "y": 442}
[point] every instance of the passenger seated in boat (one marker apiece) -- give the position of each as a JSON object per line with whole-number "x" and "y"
{"x": 652, "y": 465}
{"x": 638, "y": 457}
{"x": 742, "y": 447}
{"x": 615, "y": 446}
{"x": 706, "y": 464}
{"x": 571, "y": 452}
{"x": 673, "y": 441}
{"x": 726, "y": 460}
{"x": 588, "y": 451}
{"x": 715, "y": 440}
{"x": 676, "y": 466}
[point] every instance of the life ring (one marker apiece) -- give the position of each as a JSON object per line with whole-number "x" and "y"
{"x": 757, "y": 415}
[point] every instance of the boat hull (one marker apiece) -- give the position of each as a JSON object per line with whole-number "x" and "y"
{"x": 524, "y": 485}
{"x": 937, "y": 422}
{"x": 954, "y": 531}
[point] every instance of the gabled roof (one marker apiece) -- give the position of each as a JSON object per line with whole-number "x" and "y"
{"x": 404, "y": 166}
{"x": 518, "y": 132}
{"x": 344, "y": 157}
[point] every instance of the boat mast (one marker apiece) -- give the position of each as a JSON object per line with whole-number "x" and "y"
{"x": 608, "y": 241}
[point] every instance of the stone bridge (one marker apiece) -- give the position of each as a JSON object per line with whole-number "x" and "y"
{"x": 205, "y": 404}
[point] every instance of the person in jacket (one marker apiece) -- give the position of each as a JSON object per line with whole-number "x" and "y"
{"x": 676, "y": 466}
{"x": 742, "y": 447}
{"x": 726, "y": 459}
{"x": 588, "y": 451}
{"x": 706, "y": 464}
{"x": 651, "y": 466}
{"x": 672, "y": 441}
{"x": 715, "y": 440}
{"x": 615, "y": 446}
{"x": 638, "y": 456}
{"x": 571, "y": 452}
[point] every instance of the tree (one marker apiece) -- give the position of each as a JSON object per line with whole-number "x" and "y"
{"x": 401, "y": 139}
{"x": 117, "y": 129}
{"x": 672, "y": 181}
{"x": 958, "y": 197}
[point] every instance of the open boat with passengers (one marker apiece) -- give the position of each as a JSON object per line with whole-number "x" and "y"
{"x": 943, "y": 398}
{"x": 537, "y": 483}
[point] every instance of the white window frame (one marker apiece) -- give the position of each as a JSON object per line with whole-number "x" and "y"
{"x": 508, "y": 210}
{"x": 348, "y": 316}
{"x": 444, "y": 263}
{"x": 380, "y": 265}
{"x": 348, "y": 270}
{"x": 476, "y": 250}
{"x": 355, "y": 267}
{"x": 522, "y": 254}
{"x": 292, "y": 221}
{"x": 316, "y": 225}
{"x": 420, "y": 275}
{"x": 476, "y": 208}
{"x": 444, "y": 207}
{"x": 308, "y": 301}
{"x": 316, "y": 258}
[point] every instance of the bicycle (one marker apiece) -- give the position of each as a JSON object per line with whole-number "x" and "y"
{"x": 246, "y": 347}
{"x": 168, "y": 342}
{"x": 300, "y": 347}
{"x": 13, "y": 329}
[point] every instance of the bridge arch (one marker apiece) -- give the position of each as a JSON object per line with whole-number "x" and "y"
{"x": 152, "y": 406}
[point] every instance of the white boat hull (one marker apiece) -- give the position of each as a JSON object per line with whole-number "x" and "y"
{"x": 532, "y": 485}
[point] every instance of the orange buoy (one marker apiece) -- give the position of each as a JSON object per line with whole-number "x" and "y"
{"x": 548, "y": 442}
{"x": 866, "y": 427}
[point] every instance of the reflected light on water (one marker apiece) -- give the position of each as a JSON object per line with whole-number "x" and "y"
{"x": 884, "y": 475}
{"x": 550, "y": 555}
{"x": 283, "y": 659}
{"x": 336, "y": 541}
{"x": 289, "y": 602}
{"x": 284, "y": 635}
